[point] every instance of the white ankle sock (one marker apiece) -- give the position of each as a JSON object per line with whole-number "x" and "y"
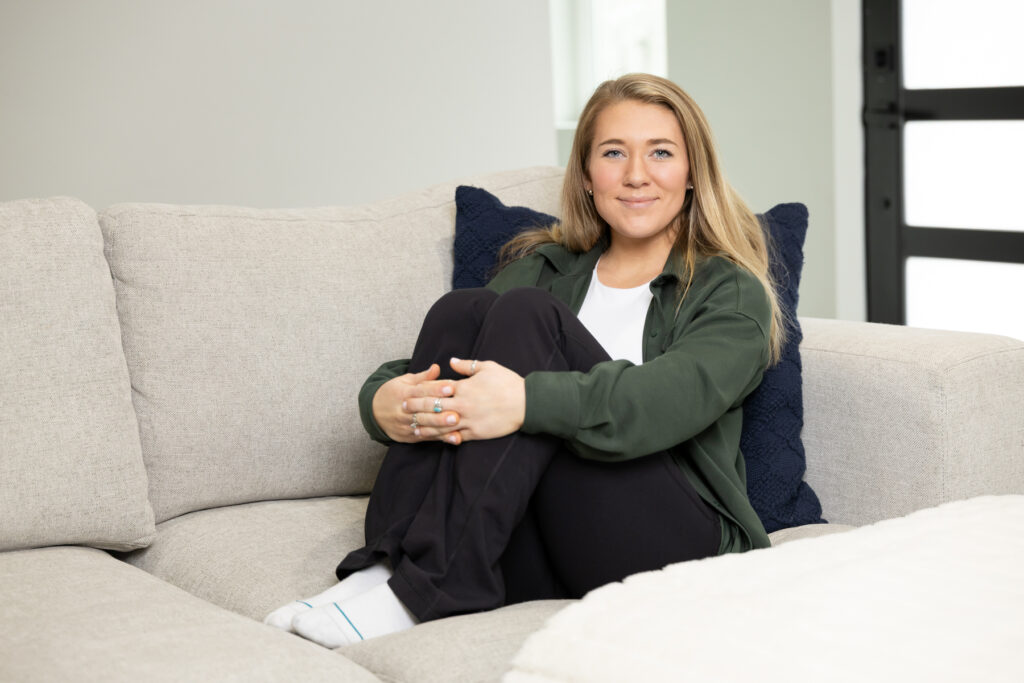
{"x": 352, "y": 585}
{"x": 377, "y": 612}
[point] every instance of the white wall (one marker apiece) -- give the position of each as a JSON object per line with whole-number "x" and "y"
{"x": 848, "y": 149}
{"x": 775, "y": 80}
{"x": 268, "y": 102}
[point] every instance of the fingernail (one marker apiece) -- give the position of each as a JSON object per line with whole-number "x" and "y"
{"x": 450, "y": 419}
{"x": 416, "y": 432}
{"x": 454, "y": 359}
{"x": 452, "y": 439}
{"x": 405, "y": 405}
{"x": 447, "y": 390}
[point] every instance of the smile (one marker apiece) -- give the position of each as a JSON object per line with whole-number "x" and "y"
{"x": 637, "y": 202}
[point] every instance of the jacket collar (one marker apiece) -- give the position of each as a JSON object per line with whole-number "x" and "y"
{"x": 577, "y": 264}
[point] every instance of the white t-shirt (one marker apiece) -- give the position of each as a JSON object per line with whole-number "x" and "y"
{"x": 616, "y": 318}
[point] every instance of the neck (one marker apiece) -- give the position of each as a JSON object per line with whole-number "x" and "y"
{"x": 631, "y": 263}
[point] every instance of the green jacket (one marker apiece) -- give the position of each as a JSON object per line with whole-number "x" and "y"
{"x": 701, "y": 359}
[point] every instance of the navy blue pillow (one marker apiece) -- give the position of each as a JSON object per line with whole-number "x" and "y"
{"x": 482, "y": 226}
{"x": 772, "y": 414}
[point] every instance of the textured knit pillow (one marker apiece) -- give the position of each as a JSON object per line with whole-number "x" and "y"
{"x": 482, "y": 225}
{"x": 772, "y": 414}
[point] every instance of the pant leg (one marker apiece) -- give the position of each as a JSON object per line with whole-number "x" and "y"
{"x": 450, "y": 328}
{"x": 449, "y": 560}
{"x": 601, "y": 522}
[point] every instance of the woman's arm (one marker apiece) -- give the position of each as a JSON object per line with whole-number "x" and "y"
{"x": 618, "y": 410}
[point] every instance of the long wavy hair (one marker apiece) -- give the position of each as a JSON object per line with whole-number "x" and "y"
{"x": 713, "y": 221}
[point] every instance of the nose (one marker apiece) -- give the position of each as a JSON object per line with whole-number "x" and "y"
{"x": 636, "y": 171}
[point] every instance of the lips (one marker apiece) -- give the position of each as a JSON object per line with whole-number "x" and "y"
{"x": 637, "y": 202}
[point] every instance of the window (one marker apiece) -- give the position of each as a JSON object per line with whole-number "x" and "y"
{"x": 944, "y": 133}
{"x": 595, "y": 40}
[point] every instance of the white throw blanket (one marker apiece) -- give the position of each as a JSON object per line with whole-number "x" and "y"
{"x": 937, "y": 595}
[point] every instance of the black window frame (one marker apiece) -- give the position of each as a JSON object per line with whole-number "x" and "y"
{"x": 888, "y": 106}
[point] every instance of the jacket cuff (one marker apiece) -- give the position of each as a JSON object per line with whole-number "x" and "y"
{"x": 552, "y": 404}
{"x": 366, "y": 394}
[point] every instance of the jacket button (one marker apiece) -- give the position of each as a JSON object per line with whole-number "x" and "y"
{"x": 654, "y": 333}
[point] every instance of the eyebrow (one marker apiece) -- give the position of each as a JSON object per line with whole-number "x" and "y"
{"x": 653, "y": 141}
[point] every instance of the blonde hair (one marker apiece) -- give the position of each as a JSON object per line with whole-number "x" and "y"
{"x": 714, "y": 220}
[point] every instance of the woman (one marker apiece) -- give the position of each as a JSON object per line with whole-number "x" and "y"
{"x": 587, "y": 424}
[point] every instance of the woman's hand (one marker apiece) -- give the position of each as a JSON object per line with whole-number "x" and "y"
{"x": 400, "y": 398}
{"x": 491, "y": 402}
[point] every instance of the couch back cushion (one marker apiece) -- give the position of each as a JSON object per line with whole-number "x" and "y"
{"x": 248, "y": 333}
{"x": 71, "y": 468}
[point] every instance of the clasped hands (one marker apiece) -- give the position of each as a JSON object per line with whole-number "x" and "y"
{"x": 489, "y": 403}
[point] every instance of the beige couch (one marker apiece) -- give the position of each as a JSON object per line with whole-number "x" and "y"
{"x": 178, "y": 388}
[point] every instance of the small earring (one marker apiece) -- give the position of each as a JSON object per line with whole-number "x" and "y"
{"x": 590, "y": 192}
{"x": 689, "y": 187}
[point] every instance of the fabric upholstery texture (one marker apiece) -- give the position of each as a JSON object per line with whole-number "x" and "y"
{"x": 773, "y": 413}
{"x": 796, "y": 533}
{"x": 70, "y": 462}
{"x": 77, "y": 614}
{"x": 897, "y": 419}
{"x": 472, "y": 648}
{"x": 248, "y": 334}
{"x": 934, "y": 596}
{"x": 253, "y": 558}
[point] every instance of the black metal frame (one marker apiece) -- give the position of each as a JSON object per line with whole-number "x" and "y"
{"x": 887, "y": 107}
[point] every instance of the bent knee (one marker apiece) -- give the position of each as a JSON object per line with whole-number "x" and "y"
{"x": 457, "y": 302}
{"x": 523, "y": 304}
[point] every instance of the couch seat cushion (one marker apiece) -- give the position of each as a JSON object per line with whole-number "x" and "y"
{"x": 795, "y": 533}
{"x": 465, "y": 649}
{"x": 70, "y": 463}
{"x": 255, "y": 557}
{"x": 78, "y": 614}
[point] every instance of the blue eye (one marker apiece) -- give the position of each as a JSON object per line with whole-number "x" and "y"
{"x": 662, "y": 154}
{"x": 612, "y": 153}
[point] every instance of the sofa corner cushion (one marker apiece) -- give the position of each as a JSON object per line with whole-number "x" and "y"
{"x": 70, "y": 458}
{"x": 462, "y": 649}
{"x": 79, "y": 614}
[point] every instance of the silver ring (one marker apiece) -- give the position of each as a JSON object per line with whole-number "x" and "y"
{"x": 415, "y": 422}
{"x": 472, "y": 368}
{"x": 437, "y": 405}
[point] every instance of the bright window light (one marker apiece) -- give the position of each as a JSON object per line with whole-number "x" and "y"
{"x": 970, "y": 296}
{"x": 595, "y": 40}
{"x": 957, "y": 44}
{"x": 963, "y": 174}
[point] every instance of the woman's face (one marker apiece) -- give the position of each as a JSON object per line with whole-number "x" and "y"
{"x": 638, "y": 170}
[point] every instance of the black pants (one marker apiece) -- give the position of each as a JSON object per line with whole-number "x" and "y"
{"x": 472, "y": 527}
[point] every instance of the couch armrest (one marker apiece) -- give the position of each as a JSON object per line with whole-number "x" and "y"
{"x": 898, "y": 418}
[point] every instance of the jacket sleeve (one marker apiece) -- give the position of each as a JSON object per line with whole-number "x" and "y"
{"x": 388, "y": 371}
{"x": 618, "y": 410}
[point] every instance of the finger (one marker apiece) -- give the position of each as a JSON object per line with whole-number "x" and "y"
{"x": 448, "y": 435}
{"x": 435, "y": 389}
{"x": 446, "y": 420}
{"x": 465, "y": 366}
{"x": 435, "y": 405}
{"x": 431, "y": 373}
